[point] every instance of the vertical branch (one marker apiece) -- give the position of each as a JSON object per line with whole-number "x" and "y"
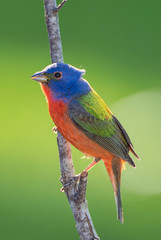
{"x": 73, "y": 186}
{"x": 52, "y": 23}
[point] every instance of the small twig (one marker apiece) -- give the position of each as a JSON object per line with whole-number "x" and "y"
{"x": 59, "y": 6}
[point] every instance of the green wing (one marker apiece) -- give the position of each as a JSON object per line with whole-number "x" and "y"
{"x": 91, "y": 115}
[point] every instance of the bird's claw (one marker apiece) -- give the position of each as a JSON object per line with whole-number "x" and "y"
{"x": 85, "y": 157}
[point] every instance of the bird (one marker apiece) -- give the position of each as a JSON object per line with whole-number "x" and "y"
{"x": 85, "y": 121}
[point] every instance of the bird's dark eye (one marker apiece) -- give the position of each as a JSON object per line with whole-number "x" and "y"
{"x": 57, "y": 75}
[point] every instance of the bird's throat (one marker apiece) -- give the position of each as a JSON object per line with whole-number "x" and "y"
{"x": 47, "y": 92}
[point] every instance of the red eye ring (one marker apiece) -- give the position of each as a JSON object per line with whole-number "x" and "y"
{"x": 58, "y": 75}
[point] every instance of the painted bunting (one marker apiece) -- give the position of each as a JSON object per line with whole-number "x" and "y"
{"x": 85, "y": 121}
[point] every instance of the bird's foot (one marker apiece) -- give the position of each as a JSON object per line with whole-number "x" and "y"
{"x": 96, "y": 160}
{"x": 85, "y": 157}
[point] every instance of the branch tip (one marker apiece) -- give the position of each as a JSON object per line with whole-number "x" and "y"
{"x": 84, "y": 174}
{"x": 59, "y": 6}
{"x": 81, "y": 192}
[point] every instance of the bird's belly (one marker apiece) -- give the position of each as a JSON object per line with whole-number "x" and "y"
{"x": 81, "y": 141}
{"x": 76, "y": 137}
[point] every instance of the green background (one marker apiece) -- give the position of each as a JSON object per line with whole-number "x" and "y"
{"x": 119, "y": 45}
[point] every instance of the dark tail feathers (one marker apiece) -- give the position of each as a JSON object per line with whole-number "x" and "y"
{"x": 114, "y": 170}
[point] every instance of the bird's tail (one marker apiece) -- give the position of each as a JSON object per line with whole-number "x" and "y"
{"x": 114, "y": 169}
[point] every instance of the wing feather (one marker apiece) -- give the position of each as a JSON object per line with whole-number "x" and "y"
{"x": 104, "y": 130}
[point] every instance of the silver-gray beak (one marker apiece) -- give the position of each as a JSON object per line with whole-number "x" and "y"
{"x": 39, "y": 77}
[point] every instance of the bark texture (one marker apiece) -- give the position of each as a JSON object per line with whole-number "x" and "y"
{"x": 73, "y": 186}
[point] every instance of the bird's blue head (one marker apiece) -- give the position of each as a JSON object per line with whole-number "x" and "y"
{"x": 63, "y": 80}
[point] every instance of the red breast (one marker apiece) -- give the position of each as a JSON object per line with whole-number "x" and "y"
{"x": 59, "y": 113}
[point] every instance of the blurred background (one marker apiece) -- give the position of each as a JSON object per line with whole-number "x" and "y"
{"x": 119, "y": 45}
